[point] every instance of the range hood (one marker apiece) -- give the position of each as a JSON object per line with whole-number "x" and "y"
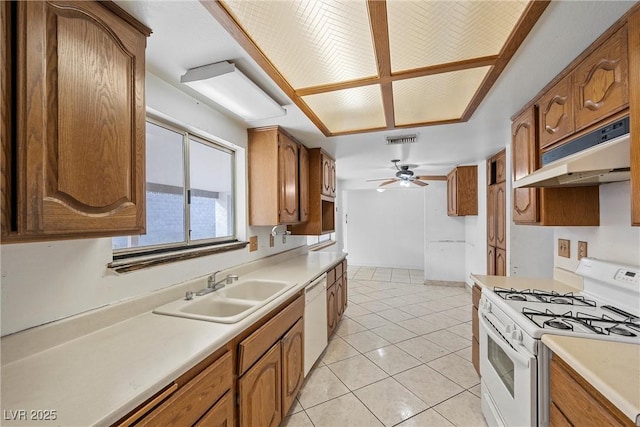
{"x": 605, "y": 161}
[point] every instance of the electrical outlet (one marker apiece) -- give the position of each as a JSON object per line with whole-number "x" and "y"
{"x": 272, "y": 241}
{"x": 582, "y": 250}
{"x": 563, "y": 248}
{"x": 253, "y": 243}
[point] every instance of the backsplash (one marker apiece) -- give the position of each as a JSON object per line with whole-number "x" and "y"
{"x": 615, "y": 240}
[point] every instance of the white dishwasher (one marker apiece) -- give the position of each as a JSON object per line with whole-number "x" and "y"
{"x": 315, "y": 321}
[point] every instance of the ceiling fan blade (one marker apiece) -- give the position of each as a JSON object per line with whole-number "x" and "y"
{"x": 380, "y": 179}
{"x": 420, "y": 183}
{"x": 391, "y": 181}
{"x": 432, "y": 177}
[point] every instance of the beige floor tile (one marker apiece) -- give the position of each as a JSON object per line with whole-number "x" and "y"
{"x": 456, "y": 290}
{"x": 419, "y": 326}
{"x": 321, "y": 386}
{"x": 354, "y": 310}
{"x": 462, "y": 410}
{"x": 383, "y": 277}
{"x": 428, "y": 418}
{"x": 345, "y": 411}
{"x": 338, "y": 349}
{"x": 430, "y": 386}
{"x": 399, "y": 301}
{"x": 462, "y": 300}
{"x": 422, "y": 349}
{"x": 295, "y": 408}
{"x": 457, "y": 369}
{"x": 476, "y": 390}
{"x": 415, "y": 310}
{"x": 357, "y": 372}
{"x": 392, "y": 359}
{"x": 375, "y": 306}
{"x": 436, "y": 305}
{"x": 417, "y": 279}
{"x": 389, "y": 401}
{"x": 348, "y": 327}
{"x": 371, "y": 320}
{"x": 393, "y": 333}
{"x": 394, "y": 315}
{"x": 461, "y": 313}
{"x": 360, "y": 298}
{"x": 465, "y": 353}
{"x": 301, "y": 419}
{"x": 366, "y": 341}
{"x": 400, "y": 278}
{"x": 440, "y": 320}
{"x": 448, "y": 340}
{"x": 463, "y": 329}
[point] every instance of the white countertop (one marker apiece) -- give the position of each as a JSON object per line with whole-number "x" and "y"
{"x": 97, "y": 378}
{"x": 611, "y": 368}
{"x": 522, "y": 283}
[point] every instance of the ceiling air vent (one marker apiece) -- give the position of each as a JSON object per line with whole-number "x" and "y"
{"x": 402, "y": 139}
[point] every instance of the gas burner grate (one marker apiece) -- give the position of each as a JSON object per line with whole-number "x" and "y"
{"x": 551, "y": 297}
{"x": 602, "y": 325}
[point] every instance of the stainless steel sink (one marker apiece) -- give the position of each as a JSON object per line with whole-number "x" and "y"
{"x": 228, "y": 305}
{"x": 256, "y": 290}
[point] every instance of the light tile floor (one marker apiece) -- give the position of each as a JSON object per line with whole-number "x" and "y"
{"x": 400, "y": 356}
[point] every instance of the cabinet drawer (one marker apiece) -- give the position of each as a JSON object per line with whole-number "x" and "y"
{"x": 331, "y": 277}
{"x": 190, "y": 402}
{"x": 255, "y": 345}
{"x": 338, "y": 269}
{"x": 476, "y": 292}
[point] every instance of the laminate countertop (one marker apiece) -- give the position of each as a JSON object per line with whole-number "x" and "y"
{"x": 521, "y": 283}
{"x": 612, "y": 368}
{"x": 97, "y": 378}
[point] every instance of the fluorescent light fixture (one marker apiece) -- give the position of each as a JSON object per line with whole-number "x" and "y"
{"x": 380, "y": 190}
{"x": 227, "y": 86}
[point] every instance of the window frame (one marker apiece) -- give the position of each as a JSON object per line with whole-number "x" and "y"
{"x": 187, "y": 244}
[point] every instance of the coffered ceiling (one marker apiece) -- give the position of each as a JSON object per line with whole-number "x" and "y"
{"x": 358, "y": 66}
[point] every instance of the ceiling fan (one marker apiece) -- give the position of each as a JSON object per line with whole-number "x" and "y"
{"x": 406, "y": 177}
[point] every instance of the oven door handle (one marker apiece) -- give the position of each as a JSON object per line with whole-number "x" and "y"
{"x": 513, "y": 354}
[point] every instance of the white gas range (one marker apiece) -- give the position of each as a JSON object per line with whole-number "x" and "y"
{"x": 513, "y": 361}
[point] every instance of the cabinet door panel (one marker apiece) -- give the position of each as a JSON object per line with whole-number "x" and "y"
{"x": 501, "y": 262}
{"x": 332, "y": 177}
{"x": 292, "y": 364}
{"x": 452, "y": 200}
{"x": 260, "y": 391}
{"x": 524, "y": 147}
{"x": 5, "y": 116}
{"x": 491, "y": 215}
{"x": 491, "y": 260}
{"x": 601, "y": 81}
{"x": 220, "y": 415}
{"x": 556, "y": 113}
{"x": 634, "y": 105}
{"x": 288, "y": 153}
{"x": 331, "y": 310}
{"x": 304, "y": 183}
{"x": 501, "y": 224}
{"x": 85, "y": 166}
{"x": 339, "y": 298}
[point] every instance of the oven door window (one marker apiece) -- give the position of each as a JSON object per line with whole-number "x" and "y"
{"x": 502, "y": 364}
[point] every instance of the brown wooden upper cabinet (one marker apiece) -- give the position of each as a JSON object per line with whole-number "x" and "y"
{"x": 328, "y": 176}
{"x": 556, "y": 113}
{"x": 274, "y": 178}
{"x": 462, "y": 191}
{"x": 321, "y": 190}
{"x": 73, "y": 84}
{"x": 303, "y": 182}
{"x": 634, "y": 108}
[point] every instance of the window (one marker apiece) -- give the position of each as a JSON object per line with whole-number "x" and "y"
{"x": 190, "y": 192}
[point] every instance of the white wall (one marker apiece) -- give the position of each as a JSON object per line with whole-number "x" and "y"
{"x": 444, "y": 237}
{"x": 475, "y": 226}
{"x": 42, "y": 282}
{"x": 386, "y": 229}
{"x": 615, "y": 240}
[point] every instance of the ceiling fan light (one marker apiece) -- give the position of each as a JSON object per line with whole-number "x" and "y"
{"x": 405, "y": 183}
{"x": 380, "y": 190}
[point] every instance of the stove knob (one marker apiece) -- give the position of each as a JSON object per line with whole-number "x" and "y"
{"x": 516, "y": 335}
{"x": 509, "y": 329}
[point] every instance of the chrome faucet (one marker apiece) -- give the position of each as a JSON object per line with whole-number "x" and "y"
{"x": 213, "y": 286}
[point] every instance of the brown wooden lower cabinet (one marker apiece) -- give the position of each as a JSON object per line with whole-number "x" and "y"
{"x": 475, "y": 327}
{"x": 221, "y": 414}
{"x": 292, "y": 364}
{"x": 260, "y": 391}
{"x": 336, "y": 295}
{"x": 332, "y": 314}
{"x": 501, "y": 262}
{"x": 339, "y": 298}
{"x": 576, "y": 402}
{"x": 491, "y": 260}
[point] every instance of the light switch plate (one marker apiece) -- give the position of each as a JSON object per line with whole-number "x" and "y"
{"x": 253, "y": 243}
{"x": 563, "y": 248}
{"x": 582, "y": 250}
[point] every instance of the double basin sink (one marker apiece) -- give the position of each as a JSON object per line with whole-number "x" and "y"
{"x": 229, "y": 304}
